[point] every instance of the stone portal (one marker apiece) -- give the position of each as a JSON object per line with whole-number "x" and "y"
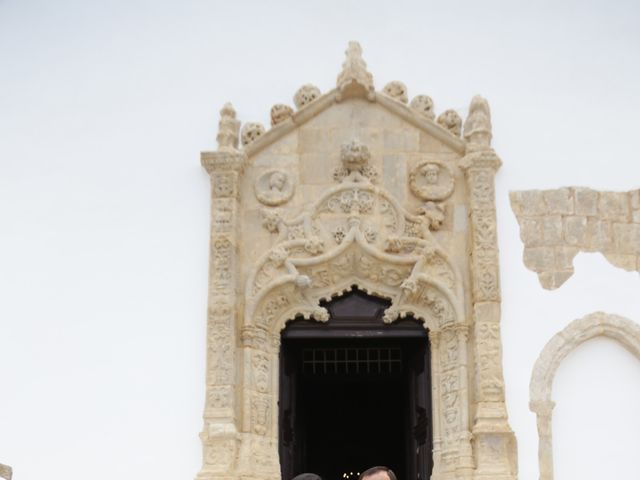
{"x": 355, "y": 189}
